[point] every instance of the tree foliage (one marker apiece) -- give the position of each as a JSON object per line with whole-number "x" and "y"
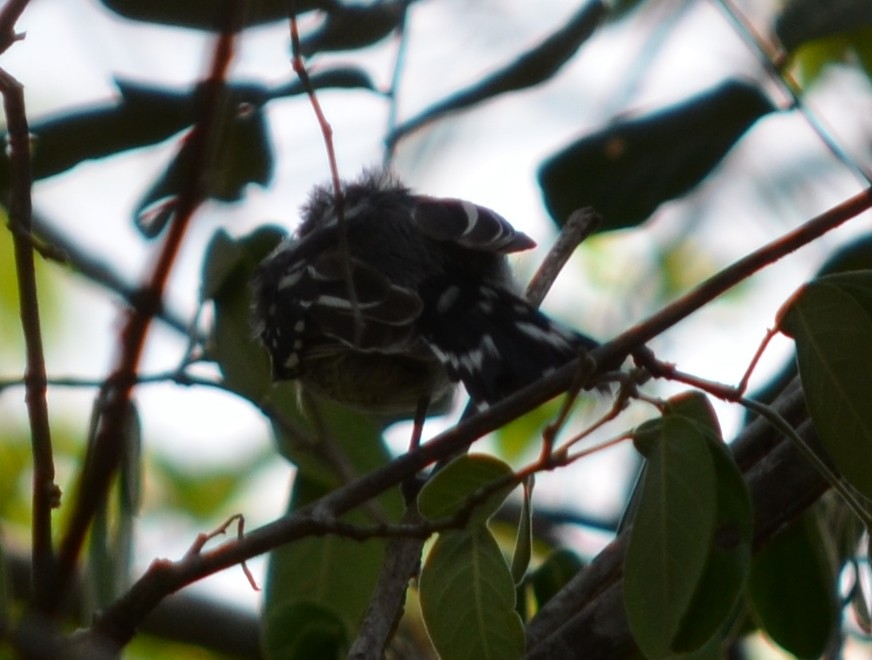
{"x": 724, "y": 539}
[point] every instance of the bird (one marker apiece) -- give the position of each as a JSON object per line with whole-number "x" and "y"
{"x": 384, "y": 298}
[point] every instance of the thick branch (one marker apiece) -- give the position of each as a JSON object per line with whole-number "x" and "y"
{"x": 119, "y": 621}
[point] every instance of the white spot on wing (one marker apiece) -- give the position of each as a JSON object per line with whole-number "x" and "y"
{"x": 471, "y": 211}
{"x": 290, "y": 279}
{"x": 447, "y": 299}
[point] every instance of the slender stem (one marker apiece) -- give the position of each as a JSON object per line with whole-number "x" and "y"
{"x": 45, "y": 491}
{"x": 772, "y": 416}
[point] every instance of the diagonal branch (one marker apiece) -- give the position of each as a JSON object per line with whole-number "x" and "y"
{"x": 105, "y": 451}
{"x": 119, "y": 621}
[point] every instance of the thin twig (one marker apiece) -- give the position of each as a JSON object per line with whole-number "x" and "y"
{"x": 393, "y": 91}
{"x": 45, "y": 492}
{"x": 299, "y": 66}
{"x": 104, "y": 453}
{"x": 94, "y": 268}
{"x": 580, "y": 224}
{"x": 732, "y": 275}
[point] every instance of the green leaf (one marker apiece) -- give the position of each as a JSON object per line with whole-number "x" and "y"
{"x": 670, "y": 540}
{"x": 450, "y": 488}
{"x": 227, "y": 270}
{"x": 831, "y": 321}
{"x": 110, "y": 543}
{"x": 659, "y": 156}
{"x": 303, "y": 630}
{"x": 335, "y": 575}
{"x": 792, "y": 589}
{"x": 723, "y": 579}
{"x": 468, "y": 598}
{"x": 558, "y": 568}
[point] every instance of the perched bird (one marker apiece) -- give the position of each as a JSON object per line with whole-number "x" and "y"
{"x": 405, "y": 296}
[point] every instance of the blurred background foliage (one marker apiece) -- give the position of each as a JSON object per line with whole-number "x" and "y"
{"x": 535, "y": 111}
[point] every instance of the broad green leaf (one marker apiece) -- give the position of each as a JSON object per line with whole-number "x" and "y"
{"x": 659, "y": 156}
{"x": 831, "y": 321}
{"x": 792, "y": 590}
{"x": 558, "y": 568}
{"x": 723, "y": 579}
{"x": 670, "y": 540}
{"x": 335, "y": 575}
{"x": 697, "y": 408}
{"x": 227, "y": 270}
{"x": 450, "y": 488}
{"x": 468, "y": 598}
{"x": 303, "y": 631}
{"x": 524, "y": 540}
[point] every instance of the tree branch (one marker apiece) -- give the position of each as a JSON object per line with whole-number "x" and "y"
{"x": 105, "y": 451}
{"x": 45, "y": 492}
{"x": 9, "y": 15}
{"x": 118, "y": 622}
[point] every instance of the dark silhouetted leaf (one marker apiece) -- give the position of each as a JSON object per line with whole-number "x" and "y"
{"x": 831, "y": 321}
{"x": 802, "y": 21}
{"x": 145, "y": 115}
{"x": 792, "y": 589}
{"x": 628, "y": 169}
{"x": 243, "y": 156}
{"x": 535, "y": 66}
{"x": 468, "y": 598}
{"x": 351, "y": 26}
{"x": 207, "y": 14}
